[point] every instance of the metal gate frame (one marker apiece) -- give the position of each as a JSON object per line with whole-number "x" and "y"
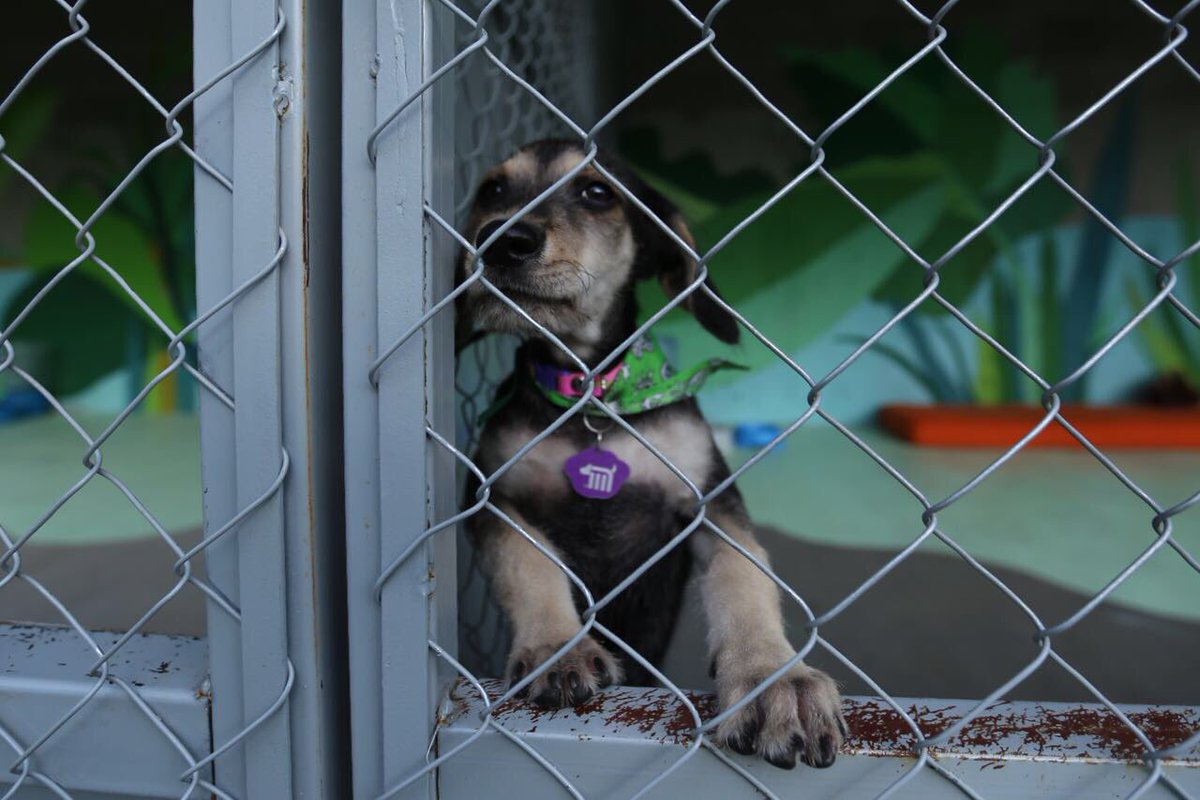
{"x": 267, "y": 202}
{"x": 389, "y": 280}
{"x": 279, "y": 673}
{"x": 397, "y": 133}
{"x": 256, "y": 709}
{"x": 324, "y": 250}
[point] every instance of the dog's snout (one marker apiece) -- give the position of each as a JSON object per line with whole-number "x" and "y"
{"x": 516, "y": 246}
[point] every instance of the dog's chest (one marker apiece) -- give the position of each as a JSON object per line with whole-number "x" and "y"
{"x": 540, "y": 472}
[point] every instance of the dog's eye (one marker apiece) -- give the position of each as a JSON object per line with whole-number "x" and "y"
{"x": 598, "y": 194}
{"x": 491, "y": 189}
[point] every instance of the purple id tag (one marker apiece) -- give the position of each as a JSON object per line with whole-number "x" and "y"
{"x": 596, "y": 473}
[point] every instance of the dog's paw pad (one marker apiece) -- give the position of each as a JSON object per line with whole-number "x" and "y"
{"x": 797, "y": 718}
{"x": 572, "y": 679}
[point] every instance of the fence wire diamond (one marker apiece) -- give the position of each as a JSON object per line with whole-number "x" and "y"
{"x": 195, "y": 769}
{"x": 494, "y": 52}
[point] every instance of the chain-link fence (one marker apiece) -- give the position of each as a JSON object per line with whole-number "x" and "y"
{"x": 941, "y": 744}
{"x": 433, "y": 94}
{"x": 130, "y": 713}
{"x": 495, "y": 117}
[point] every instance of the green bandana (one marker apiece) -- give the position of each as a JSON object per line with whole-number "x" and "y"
{"x": 642, "y": 380}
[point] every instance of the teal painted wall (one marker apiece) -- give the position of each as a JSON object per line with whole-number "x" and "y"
{"x": 776, "y": 394}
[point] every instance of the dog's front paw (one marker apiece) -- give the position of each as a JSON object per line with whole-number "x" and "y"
{"x": 797, "y": 717}
{"x": 575, "y": 677}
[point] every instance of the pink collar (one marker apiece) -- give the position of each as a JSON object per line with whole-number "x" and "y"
{"x": 570, "y": 383}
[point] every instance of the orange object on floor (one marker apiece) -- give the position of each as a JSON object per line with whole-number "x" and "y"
{"x": 1003, "y": 426}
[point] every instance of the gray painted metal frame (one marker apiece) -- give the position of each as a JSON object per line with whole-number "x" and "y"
{"x": 40, "y": 669}
{"x": 271, "y": 460}
{"x": 619, "y": 742}
{"x": 393, "y": 266}
{"x": 282, "y": 568}
{"x": 392, "y": 493}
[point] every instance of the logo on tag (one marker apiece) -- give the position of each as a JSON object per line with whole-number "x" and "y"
{"x": 596, "y": 473}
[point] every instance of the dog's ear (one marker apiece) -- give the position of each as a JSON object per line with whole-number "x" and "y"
{"x": 661, "y": 257}
{"x": 464, "y": 325}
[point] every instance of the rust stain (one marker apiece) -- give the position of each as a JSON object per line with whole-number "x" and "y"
{"x": 305, "y": 208}
{"x": 642, "y": 710}
{"x": 653, "y": 709}
{"x": 1081, "y": 731}
{"x": 1004, "y": 731}
{"x": 878, "y": 728}
{"x": 1103, "y": 731}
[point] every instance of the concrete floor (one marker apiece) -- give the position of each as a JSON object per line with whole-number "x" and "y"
{"x": 1054, "y": 525}
{"x": 156, "y": 456}
{"x": 107, "y": 587}
{"x": 1057, "y": 515}
{"x": 934, "y": 627}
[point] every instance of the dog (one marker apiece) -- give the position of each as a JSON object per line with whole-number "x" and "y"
{"x": 572, "y": 264}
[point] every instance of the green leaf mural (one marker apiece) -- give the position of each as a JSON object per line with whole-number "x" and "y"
{"x": 1170, "y": 342}
{"x": 809, "y": 259}
{"x": 948, "y": 161}
{"x": 23, "y": 126}
{"x": 77, "y": 361}
{"x": 121, "y": 243}
{"x": 928, "y": 111}
{"x": 146, "y": 236}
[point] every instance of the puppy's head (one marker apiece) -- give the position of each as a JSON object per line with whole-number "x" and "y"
{"x": 572, "y": 261}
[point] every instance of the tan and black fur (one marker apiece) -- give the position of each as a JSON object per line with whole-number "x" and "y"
{"x": 572, "y": 264}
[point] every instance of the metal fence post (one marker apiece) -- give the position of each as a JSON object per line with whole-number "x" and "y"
{"x": 257, "y": 423}
{"x": 395, "y": 302}
{"x": 395, "y": 682}
{"x": 272, "y": 348}
{"x": 307, "y": 98}
{"x": 257, "y": 709}
{"x": 214, "y": 280}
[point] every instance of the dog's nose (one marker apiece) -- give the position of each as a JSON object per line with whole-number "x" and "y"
{"x": 517, "y": 245}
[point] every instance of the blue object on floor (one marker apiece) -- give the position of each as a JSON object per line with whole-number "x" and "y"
{"x": 22, "y": 403}
{"x": 756, "y": 434}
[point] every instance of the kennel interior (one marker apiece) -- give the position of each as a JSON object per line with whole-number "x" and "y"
{"x": 815, "y": 276}
{"x": 79, "y": 127}
{"x": 968, "y": 206}
{"x": 1039, "y": 158}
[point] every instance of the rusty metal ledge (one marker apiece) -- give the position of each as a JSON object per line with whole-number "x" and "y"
{"x": 1014, "y": 749}
{"x": 110, "y": 747}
